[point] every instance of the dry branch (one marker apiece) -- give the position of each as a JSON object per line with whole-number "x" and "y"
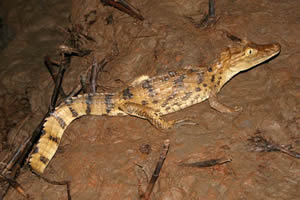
{"x": 162, "y": 157}
{"x": 125, "y": 7}
{"x": 206, "y": 163}
{"x": 261, "y": 144}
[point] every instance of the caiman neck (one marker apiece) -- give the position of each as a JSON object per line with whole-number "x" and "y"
{"x": 217, "y": 76}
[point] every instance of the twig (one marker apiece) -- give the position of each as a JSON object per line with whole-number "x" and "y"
{"x": 15, "y": 185}
{"x": 232, "y": 37}
{"x": 96, "y": 68}
{"x": 124, "y": 6}
{"x": 67, "y": 183}
{"x": 74, "y": 51}
{"x": 210, "y": 19}
{"x": 58, "y": 83}
{"x": 162, "y": 157}
{"x": 48, "y": 64}
{"x": 206, "y": 163}
{"x": 16, "y": 157}
{"x": 83, "y": 83}
{"x": 261, "y": 144}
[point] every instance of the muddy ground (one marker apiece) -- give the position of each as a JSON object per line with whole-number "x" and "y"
{"x": 99, "y": 155}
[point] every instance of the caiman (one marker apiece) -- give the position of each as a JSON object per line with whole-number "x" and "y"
{"x": 152, "y": 97}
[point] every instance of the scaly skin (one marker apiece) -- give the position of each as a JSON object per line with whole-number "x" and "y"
{"x": 151, "y": 98}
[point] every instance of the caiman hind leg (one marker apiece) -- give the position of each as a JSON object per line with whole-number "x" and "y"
{"x": 145, "y": 112}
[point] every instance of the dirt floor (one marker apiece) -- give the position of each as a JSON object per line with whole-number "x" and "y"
{"x": 101, "y": 155}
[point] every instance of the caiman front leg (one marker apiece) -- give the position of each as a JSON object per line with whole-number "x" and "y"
{"x": 145, "y": 112}
{"x": 214, "y": 103}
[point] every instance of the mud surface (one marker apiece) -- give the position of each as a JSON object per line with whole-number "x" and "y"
{"x": 99, "y": 155}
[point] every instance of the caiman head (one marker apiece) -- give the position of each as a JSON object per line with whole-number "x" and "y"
{"x": 236, "y": 59}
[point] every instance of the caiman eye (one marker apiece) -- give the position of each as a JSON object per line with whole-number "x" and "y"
{"x": 249, "y": 51}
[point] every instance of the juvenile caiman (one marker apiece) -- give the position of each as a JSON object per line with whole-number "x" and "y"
{"x": 152, "y": 97}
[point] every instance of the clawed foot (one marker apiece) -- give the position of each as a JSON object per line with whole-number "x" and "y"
{"x": 182, "y": 122}
{"x": 237, "y": 109}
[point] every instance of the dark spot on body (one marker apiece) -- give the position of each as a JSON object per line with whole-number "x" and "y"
{"x": 43, "y": 132}
{"x": 193, "y": 70}
{"x": 169, "y": 98}
{"x": 155, "y": 102}
{"x": 198, "y": 89}
{"x": 146, "y": 84}
{"x": 204, "y": 85}
{"x": 35, "y": 150}
{"x": 186, "y": 96}
{"x": 172, "y": 74}
{"x": 218, "y": 83}
{"x": 69, "y": 103}
{"x": 44, "y": 160}
{"x": 165, "y": 78}
{"x": 54, "y": 139}
{"x": 73, "y": 111}
{"x": 210, "y": 69}
{"x": 200, "y": 77}
{"x": 127, "y": 94}
{"x": 144, "y": 102}
{"x": 220, "y": 77}
{"x": 212, "y": 78}
{"x": 179, "y": 81}
{"x": 60, "y": 121}
{"x": 108, "y": 103}
{"x": 168, "y": 108}
{"x": 177, "y": 104}
{"x": 88, "y": 101}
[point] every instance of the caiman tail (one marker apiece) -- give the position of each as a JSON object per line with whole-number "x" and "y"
{"x": 58, "y": 121}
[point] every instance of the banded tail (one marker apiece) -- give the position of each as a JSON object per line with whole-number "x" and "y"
{"x": 58, "y": 121}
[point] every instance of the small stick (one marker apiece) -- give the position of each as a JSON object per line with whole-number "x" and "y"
{"x": 83, "y": 83}
{"x": 15, "y": 185}
{"x": 124, "y": 6}
{"x": 156, "y": 172}
{"x": 48, "y": 64}
{"x": 73, "y": 51}
{"x": 211, "y": 9}
{"x": 93, "y": 79}
{"x": 96, "y": 68}
{"x": 57, "y": 87}
{"x": 67, "y": 183}
{"x": 206, "y": 163}
{"x": 210, "y": 18}
{"x": 74, "y": 92}
{"x": 261, "y": 144}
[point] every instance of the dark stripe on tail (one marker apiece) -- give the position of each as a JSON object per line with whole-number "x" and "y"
{"x": 44, "y": 160}
{"x": 108, "y": 102}
{"x": 60, "y": 121}
{"x": 72, "y": 110}
{"x": 54, "y": 139}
